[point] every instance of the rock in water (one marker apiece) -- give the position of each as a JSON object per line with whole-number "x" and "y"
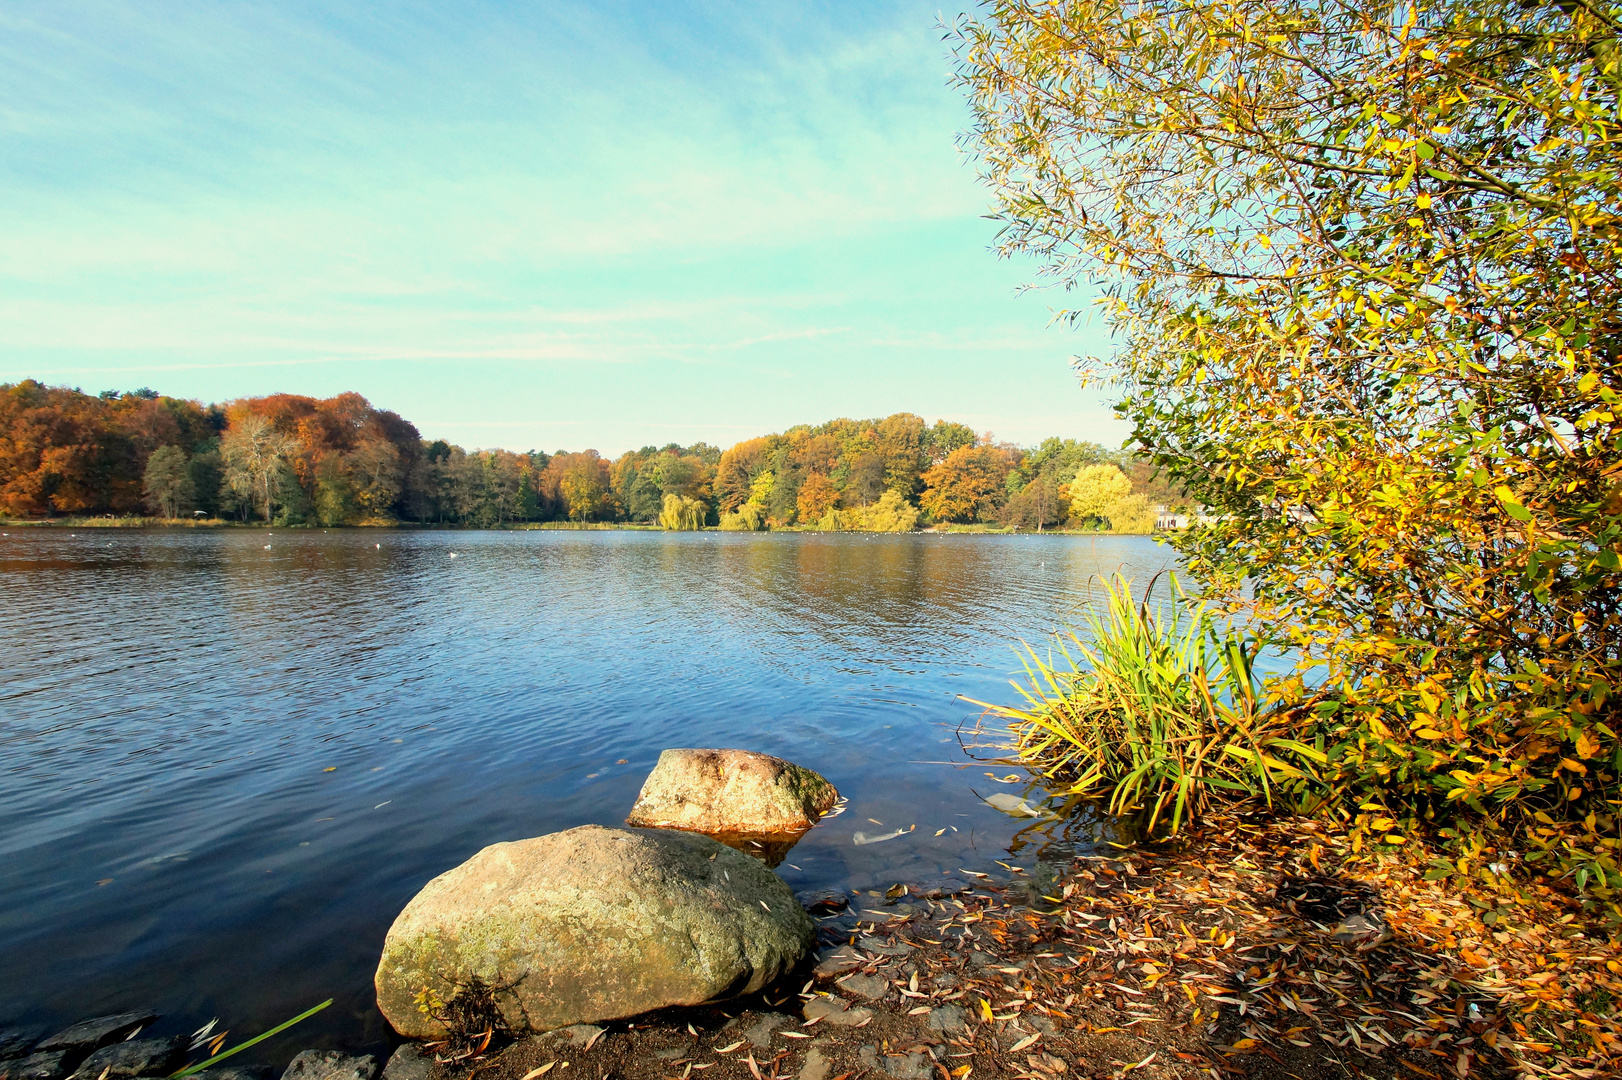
{"x": 135, "y": 1057}
{"x": 591, "y": 924}
{"x": 731, "y": 791}
{"x": 102, "y": 1031}
{"x": 330, "y": 1065}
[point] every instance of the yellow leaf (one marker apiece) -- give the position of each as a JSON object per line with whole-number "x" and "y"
{"x": 1587, "y": 745}
{"x": 1430, "y": 733}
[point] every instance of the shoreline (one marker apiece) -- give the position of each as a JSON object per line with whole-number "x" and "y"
{"x": 530, "y": 526}
{"x": 1215, "y": 957}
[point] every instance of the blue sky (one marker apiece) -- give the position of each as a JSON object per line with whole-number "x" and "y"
{"x": 525, "y": 225}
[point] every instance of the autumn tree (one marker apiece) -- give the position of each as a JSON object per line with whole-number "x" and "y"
{"x": 1095, "y": 489}
{"x": 967, "y": 485}
{"x": 816, "y": 497}
{"x": 1365, "y": 263}
{"x": 254, "y": 453}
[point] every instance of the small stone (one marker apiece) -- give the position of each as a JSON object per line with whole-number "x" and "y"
{"x": 822, "y": 901}
{"x": 870, "y": 987}
{"x": 978, "y": 959}
{"x": 874, "y": 945}
{"x": 46, "y": 1065}
{"x": 331, "y": 1065}
{"x": 838, "y": 962}
{"x": 409, "y": 1062}
{"x": 16, "y": 1042}
{"x": 139, "y": 1057}
{"x": 671, "y": 1054}
{"x": 833, "y": 1011}
{"x": 815, "y": 1067}
{"x": 760, "y": 1033}
{"x": 946, "y": 981}
{"x": 900, "y": 1066}
{"x": 94, "y": 1034}
{"x": 949, "y": 1019}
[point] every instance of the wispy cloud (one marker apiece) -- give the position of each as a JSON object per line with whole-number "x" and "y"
{"x": 694, "y": 201}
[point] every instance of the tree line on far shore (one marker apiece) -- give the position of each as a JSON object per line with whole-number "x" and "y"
{"x": 294, "y": 460}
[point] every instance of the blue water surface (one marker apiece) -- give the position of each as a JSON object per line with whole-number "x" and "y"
{"x": 228, "y": 759}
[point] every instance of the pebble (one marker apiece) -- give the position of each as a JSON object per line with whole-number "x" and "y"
{"x": 94, "y": 1034}
{"x": 870, "y": 987}
{"x": 874, "y": 945}
{"x": 901, "y": 1066}
{"x": 138, "y": 1057}
{"x": 815, "y": 1067}
{"x": 834, "y": 1012}
{"x": 760, "y": 1033}
{"x": 838, "y": 962}
{"x": 409, "y": 1062}
{"x": 949, "y": 1019}
{"x": 331, "y": 1065}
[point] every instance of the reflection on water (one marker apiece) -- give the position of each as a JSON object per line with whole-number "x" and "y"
{"x": 228, "y": 766}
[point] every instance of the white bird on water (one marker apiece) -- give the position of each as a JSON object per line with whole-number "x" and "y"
{"x": 378, "y": 546}
{"x": 453, "y": 554}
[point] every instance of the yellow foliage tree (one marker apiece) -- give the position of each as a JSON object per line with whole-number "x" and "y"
{"x": 1096, "y": 489}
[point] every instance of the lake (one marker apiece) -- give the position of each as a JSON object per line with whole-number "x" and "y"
{"x": 231, "y": 757}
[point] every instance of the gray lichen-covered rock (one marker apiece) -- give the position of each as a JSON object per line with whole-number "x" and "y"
{"x": 409, "y": 1062}
{"x": 102, "y": 1031}
{"x": 731, "y": 791}
{"x": 138, "y": 1057}
{"x": 591, "y": 924}
{"x": 330, "y": 1065}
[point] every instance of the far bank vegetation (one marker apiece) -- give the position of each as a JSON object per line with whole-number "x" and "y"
{"x": 290, "y": 460}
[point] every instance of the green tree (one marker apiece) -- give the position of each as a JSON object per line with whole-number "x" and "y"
{"x": 168, "y": 484}
{"x": 334, "y": 494}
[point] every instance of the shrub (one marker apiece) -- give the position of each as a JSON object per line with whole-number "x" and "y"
{"x": 1158, "y": 710}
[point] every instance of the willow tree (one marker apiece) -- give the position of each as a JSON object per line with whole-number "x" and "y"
{"x": 1362, "y": 262}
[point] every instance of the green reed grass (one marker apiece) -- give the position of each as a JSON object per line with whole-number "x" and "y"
{"x": 1159, "y": 709}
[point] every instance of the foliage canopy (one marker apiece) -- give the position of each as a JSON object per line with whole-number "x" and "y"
{"x": 1363, "y": 261}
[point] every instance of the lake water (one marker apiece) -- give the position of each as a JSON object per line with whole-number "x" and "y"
{"x": 230, "y": 758}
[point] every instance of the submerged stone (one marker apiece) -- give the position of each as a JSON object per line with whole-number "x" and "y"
{"x": 139, "y": 1057}
{"x": 44, "y": 1065}
{"x": 591, "y": 924}
{"x": 94, "y": 1034}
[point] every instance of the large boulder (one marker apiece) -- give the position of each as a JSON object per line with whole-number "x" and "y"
{"x": 731, "y": 792}
{"x": 591, "y": 924}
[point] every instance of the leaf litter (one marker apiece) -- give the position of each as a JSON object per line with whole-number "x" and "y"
{"x": 1216, "y": 959}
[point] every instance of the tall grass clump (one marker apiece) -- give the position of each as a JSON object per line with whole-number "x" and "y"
{"x": 1158, "y": 710}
